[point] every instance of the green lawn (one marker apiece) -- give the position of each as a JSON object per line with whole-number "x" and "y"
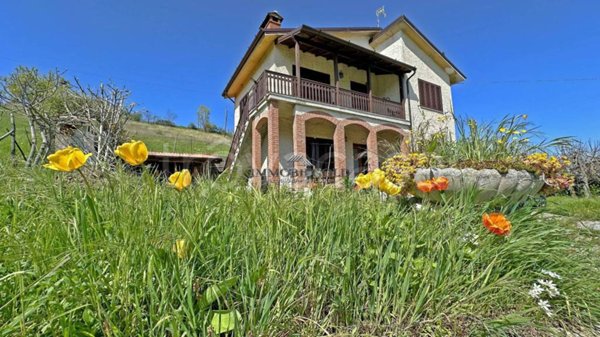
{"x": 100, "y": 262}
{"x": 158, "y": 138}
{"x": 578, "y": 208}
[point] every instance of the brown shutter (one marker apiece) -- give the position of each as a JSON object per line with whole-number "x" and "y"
{"x": 430, "y": 95}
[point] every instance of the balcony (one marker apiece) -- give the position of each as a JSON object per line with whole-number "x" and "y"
{"x": 285, "y": 85}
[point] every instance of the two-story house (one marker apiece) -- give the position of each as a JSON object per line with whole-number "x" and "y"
{"x": 320, "y": 103}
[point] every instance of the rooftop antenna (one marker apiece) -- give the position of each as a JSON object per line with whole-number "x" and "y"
{"x": 380, "y": 11}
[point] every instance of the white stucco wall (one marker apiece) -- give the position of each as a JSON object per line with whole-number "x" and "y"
{"x": 402, "y": 48}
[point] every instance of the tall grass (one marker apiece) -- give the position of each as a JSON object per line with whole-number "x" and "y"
{"x": 336, "y": 262}
{"x": 476, "y": 142}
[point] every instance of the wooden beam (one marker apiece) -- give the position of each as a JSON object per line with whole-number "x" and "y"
{"x": 336, "y": 74}
{"x": 369, "y": 89}
{"x": 298, "y": 78}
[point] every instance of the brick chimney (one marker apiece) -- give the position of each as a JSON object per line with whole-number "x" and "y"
{"x": 272, "y": 20}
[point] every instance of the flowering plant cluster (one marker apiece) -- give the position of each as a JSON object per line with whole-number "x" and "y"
{"x": 401, "y": 168}
{"x": 544, "y": 290}
{"x": 552, "y": 168}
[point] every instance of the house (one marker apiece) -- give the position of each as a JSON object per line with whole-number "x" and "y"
{"x": 323, "y": 103}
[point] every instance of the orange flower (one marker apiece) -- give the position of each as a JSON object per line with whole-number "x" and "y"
{"x": 435, "y": 184}
{"x": 425, "y": 186}
{"x": 496, "y": 223}
{"x": 440, "y": 183}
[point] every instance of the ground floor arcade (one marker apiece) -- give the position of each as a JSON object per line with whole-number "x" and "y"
{"x": 295, "y": 145}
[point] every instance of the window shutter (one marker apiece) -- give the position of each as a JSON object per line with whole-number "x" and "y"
{"x": 430, "y": 95}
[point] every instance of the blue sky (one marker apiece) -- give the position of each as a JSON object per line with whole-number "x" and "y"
{"x": 538, "y": 57}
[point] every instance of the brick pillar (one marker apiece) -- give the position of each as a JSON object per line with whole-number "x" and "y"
{"x": 372, "y": 153}
{"x": 273, "y": 140}
{"x": 256, "y": 154}
{"x": 339, "y": 153}
{"x": 299, "y": 138}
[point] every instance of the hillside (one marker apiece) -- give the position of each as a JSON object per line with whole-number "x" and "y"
{"x": 176, "y": 139}
{"x": 157, "y": 137}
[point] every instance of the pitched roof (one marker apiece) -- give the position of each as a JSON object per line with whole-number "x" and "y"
{"x": 320, "y": 43}
{"x": 267, "y": 36}
{"x": 403, "y": 23}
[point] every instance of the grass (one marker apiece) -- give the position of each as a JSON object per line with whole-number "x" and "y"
{"x": 158, "y": 138}
{"x": 22, "y": 135}
{"x": 578, "y": 208}
{"x": 100, "y": 262}
{"x": 177, "y": 139}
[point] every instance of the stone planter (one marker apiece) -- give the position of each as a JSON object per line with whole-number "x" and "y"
{"x": 486, "y": 184}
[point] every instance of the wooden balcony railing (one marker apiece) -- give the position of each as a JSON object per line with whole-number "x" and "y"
{"x": 276, "y": 83}
{"x": 281, "y": 84}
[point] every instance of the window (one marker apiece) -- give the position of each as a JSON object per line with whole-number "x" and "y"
{"x": 430, "y": 95}
{"x": 312, "y": 75}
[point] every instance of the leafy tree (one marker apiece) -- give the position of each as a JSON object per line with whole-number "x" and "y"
{"x": 203, "y": 114}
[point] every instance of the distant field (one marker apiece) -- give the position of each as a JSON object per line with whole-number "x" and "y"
{"x": 173, "y": 139}
{"x": 156, "y": 137}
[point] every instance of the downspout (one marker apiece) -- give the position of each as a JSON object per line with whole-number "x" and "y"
{"x": 408, "y": 100}
{"x": 408, "y": 97}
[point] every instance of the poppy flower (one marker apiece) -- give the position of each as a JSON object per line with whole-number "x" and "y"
{"x": 389, "y": 188}
{"x": 440, "y": 183}
{"x": 496, "y": 223}
{"x": 364, "y": 181}
{"x": 67, "y": 160}
{"x": 134, "y": 153}
{"x": 181, "y": 179}
{"x": 425, "y": 186}
{"x": 180, "y": 248}
{"x": 377, "y": 176}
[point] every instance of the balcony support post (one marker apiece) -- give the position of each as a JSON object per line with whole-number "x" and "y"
{"x": 298, "y": 77}
{"x": 369, "y": 89}
{"x": 336, "y": 74}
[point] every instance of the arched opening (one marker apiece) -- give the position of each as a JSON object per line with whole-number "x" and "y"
{"x": 356, "y": 149}
{"x": 320, "y": 150}
{"x": 389, "y": 142}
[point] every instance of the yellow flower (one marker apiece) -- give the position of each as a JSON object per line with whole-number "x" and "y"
{"x": 363, "y": 181}
{"x": 181, "y": 179}
{"x": 500, "y": 141}
{"x": 524, "y": 116}
{"x": 524, "y": 131}
{"x": 134, "y": 153}
{"x": 389, "y": 188}
{"x": 377, "y": 177}
{"x": 502, "y": 130}
{"x": 67, "y": 160}
{"x": 180, "y": 248}
{"x": 516, "y": 132}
